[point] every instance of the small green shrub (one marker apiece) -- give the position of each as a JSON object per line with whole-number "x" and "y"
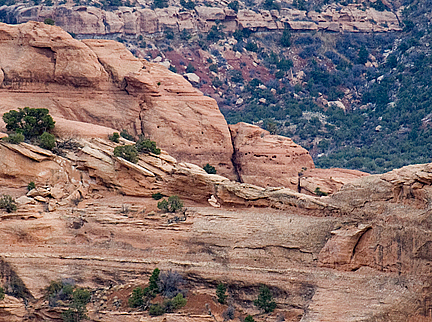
{"x": 190, "y": 68}
{"x": 14, "y": 138}
{"x": 209, "y": 169}
{"x": 190, "y": 5}
{"x": 2, "y": 293}
{"x": 140, "y": 297}
{"x": 319, "y": 192}
{"x": 173, "y": 69}
{"x": 125, "y": 134}
{"x": 249, "y": 318}
{"x": 221, "y": 293}
{"x": 213, "y": 68}
{"x": 172, "y": 205}
{"x": 31, "y": 186}
{"x": 127, "y": 152}
{"x": 156, "y": 309}
{"x": 265, "y": 300}
{"x": 47, "y": 141}
{"x": 8, "y": 203}
{"x": 115, "y": 137}
{"x": 136, "y": 299}
{"x": 157, "y": 196}
{"x": 77, "y": 306}
{"x": 234, "y": 5}
{"x": 49, "y": 21}
{"x": 179, "y": 301}
{"x": 147, "y": 146}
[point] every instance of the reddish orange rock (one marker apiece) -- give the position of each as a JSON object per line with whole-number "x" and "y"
{"x": 267, "y": 160}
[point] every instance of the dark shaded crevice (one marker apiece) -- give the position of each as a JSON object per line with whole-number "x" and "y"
{"x": 358, "y": 241}
{"x": 14, "y": 285}
{"x": 234, "y": 159}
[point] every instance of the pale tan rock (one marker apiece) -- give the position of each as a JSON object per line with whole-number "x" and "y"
{"x": 213, "y": 202}
{"x": 210, "y": 13}
{"x": 38, "y": 192}
{"x": 24, "y": 200}
{"x": 152, "y": 99}
{"x": 40, "y": 199}
{"x": 114, "y": 56}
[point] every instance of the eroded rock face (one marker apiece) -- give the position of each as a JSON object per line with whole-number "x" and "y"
{"x": 101, "y": 84}
{"x": 267, "y": 160}
{"x": 328, "y": 257}
{"x": 83, "y": 20}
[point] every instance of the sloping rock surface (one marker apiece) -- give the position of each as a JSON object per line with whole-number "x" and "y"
{"x": 362, "y": 254}
{"x": 101, "y": 83}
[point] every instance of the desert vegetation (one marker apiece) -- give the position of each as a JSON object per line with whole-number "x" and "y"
{"x": 168, "y": 285}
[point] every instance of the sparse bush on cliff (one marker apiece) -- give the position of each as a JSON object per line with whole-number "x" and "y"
{"x": 125, "y": 134}
{"x": 249, "y": 318}
{"x": 190, "y": 68}
{"x": 8, "y": 203}
{"x": 14, "y": 138}
{"x": 141, "y": 297}
{"x": 319, "y": 192}
{"x": 115, "y": 137}
{"x": 31, "y": 186}
{"x": 229, "y": 313}
{"x": 31, "y": 122}
{"x": 285, "y": 40}
{"x": 77, "y": 307}
{"x": 234, "y": 5}
{"x": 160, "y": 4}
{"x": 2, "y": 293}
{"x": 172, "y": 205}
{"x": 190, "y": 5}
{"x": 157, "y": 196}
{"x": 49, "y": 21}
{"x": 170, "y": 283}
{"x": 156, "y": 309}
{"x": 221, "y": 293}
{"x": 47, "y": 141}
{"x": 265, "y": 300}
{"x": 147, "y": 146}
{"x": 209, "y": 169}
{"x": 165, "y": 283}
{"x": 127, "y": 152}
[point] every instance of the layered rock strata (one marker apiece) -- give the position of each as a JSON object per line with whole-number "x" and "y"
{"x": 95, "y": 87}
{"x": 361, "y": 254}
{"x": 82, "y": 20}
{"x": 100, "y": 83}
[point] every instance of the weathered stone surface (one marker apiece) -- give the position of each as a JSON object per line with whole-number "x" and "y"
{"x": 331, "y": 258}
{"x": 112, "y": 90}
{"x": 267, "y": 160}
{"x": 83, "y": 20}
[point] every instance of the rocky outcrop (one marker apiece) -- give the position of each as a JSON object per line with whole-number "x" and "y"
{"x": 101, "y": 84}
{"x": 267, "y": 160}
{"x": 326, "y": 257}
{"x": 85, "y": 20}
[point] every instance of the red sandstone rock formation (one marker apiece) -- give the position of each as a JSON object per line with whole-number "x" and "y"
{"x": 100, "y": 82}
{"x": 83, "y": 20}
{"x": 267, "y": 160}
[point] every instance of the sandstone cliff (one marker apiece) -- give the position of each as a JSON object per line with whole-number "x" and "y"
{"x": 82, "y": 20}
{"x": 100, "y": 82}
{"x": 95, "y": 87}
{"x": 361, "y": 254}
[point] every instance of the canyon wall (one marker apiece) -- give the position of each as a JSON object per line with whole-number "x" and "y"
{"x": 92, "y": 21}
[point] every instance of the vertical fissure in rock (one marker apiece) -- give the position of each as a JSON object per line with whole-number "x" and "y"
{"x": 234, "y": 161}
